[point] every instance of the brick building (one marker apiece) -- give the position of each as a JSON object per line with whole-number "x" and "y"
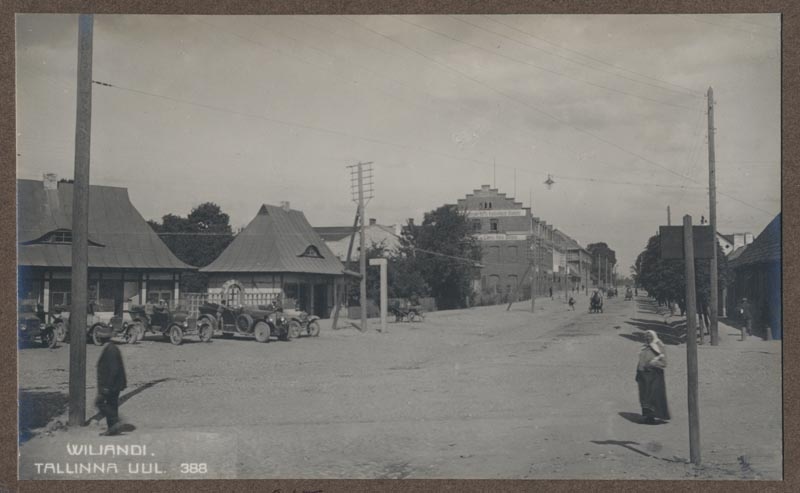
{"x": 510, "y": 238}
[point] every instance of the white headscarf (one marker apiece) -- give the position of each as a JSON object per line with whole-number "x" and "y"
{"x": 655, "y": 344}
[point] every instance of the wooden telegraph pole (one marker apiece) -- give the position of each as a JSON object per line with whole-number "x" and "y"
{"x": 691, "y": 342}
{"x": 80, "y": 225}
{"x": 362, "y": 255}
{"x": 712, "y": 212}
{"x": 361, "y": 187}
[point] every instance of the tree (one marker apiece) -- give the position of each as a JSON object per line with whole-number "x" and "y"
{"x": 442, "y": 252}
{"x": 196, "y": 239}
{"x": 403, "y": 280}
{"x": 601, "y": 254}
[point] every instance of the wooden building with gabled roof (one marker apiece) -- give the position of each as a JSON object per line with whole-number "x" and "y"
{"x": 128, "y": 262}
{"x": 278, "y": 254}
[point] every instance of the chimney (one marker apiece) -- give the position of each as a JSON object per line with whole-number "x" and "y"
{"x": 50, "y": 181}
{"x": 372, "y": 221}
{"x": 285, "y": 205}
{"x": 410, "y": 221}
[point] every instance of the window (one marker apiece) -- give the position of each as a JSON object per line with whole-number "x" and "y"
{"x": 476, "y": 225}
{"x": 60, "y": 236}
{"x": 311, "y": 251}
{"x": 159, "y": 291}
{"x": 493, "y": 225}
{"x": 512, "y": 252}
{"x": 494, "y": 254}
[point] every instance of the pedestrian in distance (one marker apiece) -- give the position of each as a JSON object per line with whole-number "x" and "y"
{"x": 650, "y": 378}
{"x": 572, "y": 303}
{"x": 111, "y": 380}
{"x": 746, "y": 314}
{"x": 551, "y": 292}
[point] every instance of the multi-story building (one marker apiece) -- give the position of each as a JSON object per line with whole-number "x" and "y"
{"x": 512, "y": 240}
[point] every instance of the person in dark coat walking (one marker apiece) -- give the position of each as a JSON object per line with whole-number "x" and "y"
{"x": 650, "y": 377}
{"x": 111, "y": 380}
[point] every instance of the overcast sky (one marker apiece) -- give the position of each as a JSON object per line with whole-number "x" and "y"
{"x": 245, "y": 110}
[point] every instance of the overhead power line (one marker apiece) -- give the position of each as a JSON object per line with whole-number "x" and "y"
{"x": 688, "y": 90}
{"x": 682, "y": 92}
{"x": 544, "y": 69}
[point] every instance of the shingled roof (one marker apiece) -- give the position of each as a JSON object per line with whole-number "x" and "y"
{"x": 277, "y": 240}
{"x": 119, "y": 237}
{"x": 765, "y": 248}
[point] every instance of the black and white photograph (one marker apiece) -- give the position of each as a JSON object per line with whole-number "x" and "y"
{"x": 473, "y": 246}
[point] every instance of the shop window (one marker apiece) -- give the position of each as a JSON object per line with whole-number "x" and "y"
{"x": 159, "y": 291}
{"x": 60, "y": 292}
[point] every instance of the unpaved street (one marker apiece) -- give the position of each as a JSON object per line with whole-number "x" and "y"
{"x": 479, "y": 393}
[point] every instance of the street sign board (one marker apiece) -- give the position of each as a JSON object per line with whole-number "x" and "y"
{"x": 672, "y": 242}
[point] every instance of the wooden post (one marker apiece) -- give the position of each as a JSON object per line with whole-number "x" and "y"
{"x": 362, "y": 254}
{"x": 80, "y": 225}
{"x": 515, "y": 295}
{"x": 343, "y": 293}
{"x": 382, "y": 262}
{"x": 712, "y": 212}
{"x": 691, "y": 343}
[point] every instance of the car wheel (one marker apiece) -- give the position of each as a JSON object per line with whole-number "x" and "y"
{"x": 96, "y": 339}
{"x": 262, "y": 331}
{"x": 294, "y": 329}
{"x": 313, "y": 329}
{"x": 48, "y": 338}
{"x": 60, "y": 331}
{"x": 416, "y": 317}
{"x": 175, "y": 335}
{"x": 205, "y": 331}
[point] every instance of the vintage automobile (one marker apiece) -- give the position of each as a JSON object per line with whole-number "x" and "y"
{"x": 260, "y": 321}
{"x": 411, "y": 313}
{"x": 100, "y": 326}
{"x": 31, "y": 326}
{"x": 301, "y": 323}
{"x": 172, "y": 324}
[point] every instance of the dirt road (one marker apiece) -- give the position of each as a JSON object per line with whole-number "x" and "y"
{"x": 480, "y": 393}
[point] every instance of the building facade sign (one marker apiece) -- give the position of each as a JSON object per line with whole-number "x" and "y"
{"x": 496, "y": 213}
{"x": 500, "y": 237}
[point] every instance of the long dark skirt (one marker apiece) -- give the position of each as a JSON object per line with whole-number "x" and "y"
{"x": 653, "y": 393}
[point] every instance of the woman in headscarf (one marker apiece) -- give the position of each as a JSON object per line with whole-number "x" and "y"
{"x": 650, "y": 377}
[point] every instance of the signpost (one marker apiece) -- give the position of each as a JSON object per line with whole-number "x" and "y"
{"x": 381, "y": 262}
{"x": 686, "y": 243}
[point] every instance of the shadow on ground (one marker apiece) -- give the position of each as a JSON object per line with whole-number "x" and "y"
{"x": 673, "y": 333}
{"x": 629, "y": 445}
{"x": 638, "y": 419}
{"x": 36, "y": 409}
{"x": 124, "y": 398}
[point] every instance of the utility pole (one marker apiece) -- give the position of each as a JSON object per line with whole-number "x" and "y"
{"x": 80, "y": 225}
{"x": 691, "y": 343}
{"x": 669, "y": 217}
{"x": 712, "y": 212}
{"x": 364, "y": 192}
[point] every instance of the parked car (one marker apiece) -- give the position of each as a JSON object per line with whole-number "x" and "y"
{"x": 31, "y": 326}
{"x": 100, "y": 326}
{"x": 172, "y": 324}
{"x": 261, "y": 321}
{"x": 301, "y": 323}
